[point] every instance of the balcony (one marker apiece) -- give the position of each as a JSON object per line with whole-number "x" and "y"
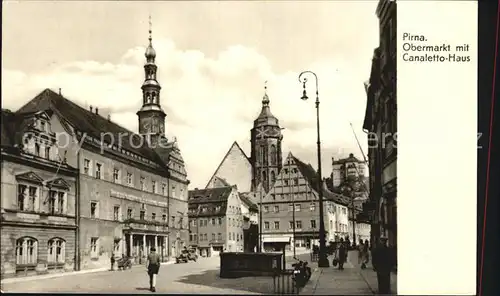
{"x": 145, "y": 225}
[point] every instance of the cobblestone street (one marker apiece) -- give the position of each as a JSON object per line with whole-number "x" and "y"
{"x": 201, "y": 277}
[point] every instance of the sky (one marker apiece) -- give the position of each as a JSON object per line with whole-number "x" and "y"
{"x": 213, "y": 60}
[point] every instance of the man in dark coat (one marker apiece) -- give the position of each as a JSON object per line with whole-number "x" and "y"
{"x": 342, "y": 254}
{"x": 383, "y": 264}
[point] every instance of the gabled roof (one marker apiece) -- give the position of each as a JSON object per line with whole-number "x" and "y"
{"x": 214, "y": 200}
{"x": 95, "y": 125}
{"x": 223, "y": 181}
{"x": 234, "y": 145}
{"x": 351, "y": 158}
{"x": 312, "y": 178}
{"x": 251, "y": 206}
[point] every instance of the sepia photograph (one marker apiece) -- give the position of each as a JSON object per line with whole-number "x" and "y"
{"x": 199, "y": 147}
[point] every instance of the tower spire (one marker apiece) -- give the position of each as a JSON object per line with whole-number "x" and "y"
{"x": 151, "y": 115}
{"x": 150, "y": 51}
{"x": 150, "y": 30}
{"x": 265, "y": 99}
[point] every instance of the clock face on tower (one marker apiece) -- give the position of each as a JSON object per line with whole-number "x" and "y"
{"x": 146, "y": 125}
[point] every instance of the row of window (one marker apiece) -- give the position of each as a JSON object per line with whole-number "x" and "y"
{"x": 217, "y": 222}
{"x": 117, "y": 215}
{"x": 298, "y": 207}
{"x": 295, "y": 195}
{"x": 129, "y": 180}
{"x": 298, "y": 224}
{"x": 28, "y": 199}
{"x": 232, "y": 236}
{"x": 27, "y": 251}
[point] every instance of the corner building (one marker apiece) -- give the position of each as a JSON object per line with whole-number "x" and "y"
{"x": 132, "y": 191}
{"x": 381, "y": 119}
{"x": 39, "y": 197}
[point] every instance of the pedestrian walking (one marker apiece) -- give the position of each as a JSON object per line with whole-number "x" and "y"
{"x": 153, "y": 266}
{"x": 383, "y": 263}
{"x": 366, "y": 252}
{"x": 361, "y": 248}
{"x": 341, "y": 254}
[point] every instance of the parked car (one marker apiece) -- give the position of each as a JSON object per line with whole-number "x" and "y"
{"x": 124, "y": 263}
{"x": 185, "y": 256}
{"x": 192, "y": 255}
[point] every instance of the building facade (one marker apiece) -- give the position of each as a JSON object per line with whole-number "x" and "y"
{"x": 132, "y": 188}
{"x": 381, "y": 122}
{"x": 291, "y": 209}
{"x": 216, "y": 220}
{"x": 39, "y": 191}
{"x": 347, "y": 168}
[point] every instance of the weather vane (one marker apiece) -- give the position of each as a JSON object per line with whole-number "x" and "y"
{"x": 150, "y": 26}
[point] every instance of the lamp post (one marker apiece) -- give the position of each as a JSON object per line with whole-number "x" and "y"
{"x": 323, "y": 259}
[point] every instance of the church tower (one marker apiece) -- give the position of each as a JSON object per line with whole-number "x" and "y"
{"x": 151, "y": 115}
{"x": 266, "y": 137}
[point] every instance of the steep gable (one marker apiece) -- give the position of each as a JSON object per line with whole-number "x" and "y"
{"x": 235, "y": 169}
{"x": 301, "y": 181}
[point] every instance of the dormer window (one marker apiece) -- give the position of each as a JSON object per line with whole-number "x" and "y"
{"x": 47, "y": 152}
{"x": 37, "y": 149}
{"x": 42, "y": 125}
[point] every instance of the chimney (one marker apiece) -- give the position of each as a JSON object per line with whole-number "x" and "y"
{"x": 90, "y": 108}
{"x": 96, "y": 110}
{"x": 60, "y": 91}
{"x": 109, "y": 117}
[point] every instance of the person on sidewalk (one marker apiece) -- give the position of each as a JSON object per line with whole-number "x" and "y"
{"x": 360, "y": 251}
{"x": 382, "y": 263}
{"x": 366, "y": 252}
{"x": 341, "y": 254}
{"x": 153, "y": 266}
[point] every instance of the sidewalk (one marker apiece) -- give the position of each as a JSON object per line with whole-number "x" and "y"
{"x": 351, "y": 281}
{"x": 62, "y": 274}
{"x": 370, "y": 276}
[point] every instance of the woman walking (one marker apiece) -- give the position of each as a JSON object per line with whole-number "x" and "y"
{"x": 153, "y": 265}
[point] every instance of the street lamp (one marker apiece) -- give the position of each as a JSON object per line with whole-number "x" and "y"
{"x": 323, "y": 258}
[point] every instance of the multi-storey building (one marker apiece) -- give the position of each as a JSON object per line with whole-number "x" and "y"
{"x": 39, "y": 191}
{"x": 132, "y": 188}
{"x": 347, "y": 168}
{"x": 291, "y": 208}
{"x": 250, "y": 221}
{"x": 216, "y": 220}
{"x": 381, "y": 120}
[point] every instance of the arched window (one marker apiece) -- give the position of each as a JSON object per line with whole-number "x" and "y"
{"x": 26, "y": 251}
{"x": 264, "y": 176}
{"x": 266, "y": 153}
{"x": 153, "y": 98}
{"x": 56, "y": 250}
{"x": 273, "y": 155}
{"x": 262, "y": 156}
{"x": 273, "y": 177}
{"x": 37, "y": 149}
{"x": 148, "y": 97}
